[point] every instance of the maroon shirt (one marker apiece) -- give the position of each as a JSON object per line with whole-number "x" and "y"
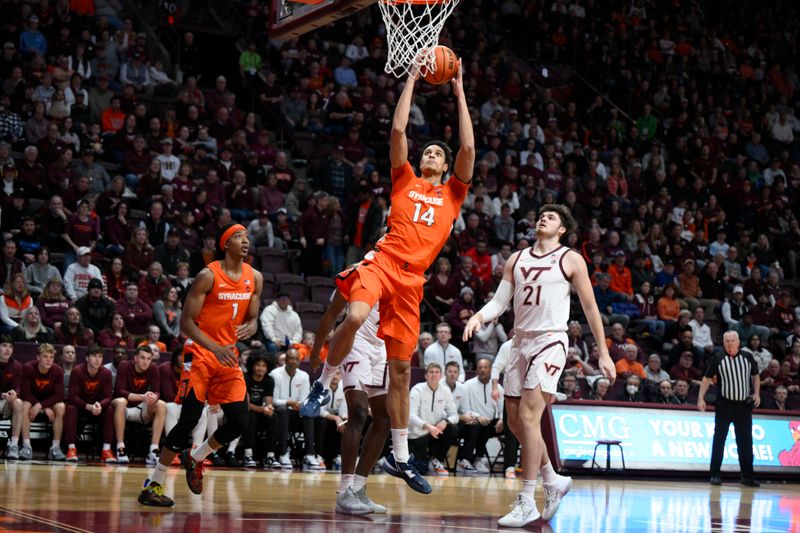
{"x": 129, "y": 381}
{"x": 85, "y": 389}
{"x": 46, "y": 389}
{"x": 169, "y": 381}
{"x": 137, "y": 316}
{"x": 52, "y": 311}
{"x": 10, "y": 376}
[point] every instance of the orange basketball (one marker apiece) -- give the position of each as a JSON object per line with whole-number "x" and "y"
{"x": 446, "y": 66}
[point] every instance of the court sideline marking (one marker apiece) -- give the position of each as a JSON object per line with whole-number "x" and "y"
{"x": 42, "y": 520}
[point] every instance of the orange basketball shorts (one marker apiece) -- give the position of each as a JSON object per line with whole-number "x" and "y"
{"x": 399, "y": 291}
{"x": 211, "y": 381}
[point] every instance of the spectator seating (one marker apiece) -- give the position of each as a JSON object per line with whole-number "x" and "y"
{"x": 321, "y": 289}
{"x": 273, "y": 260}
{"x": 294, "y": 285}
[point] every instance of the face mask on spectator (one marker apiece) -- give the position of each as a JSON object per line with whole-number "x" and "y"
{"x": 632, "y": 389}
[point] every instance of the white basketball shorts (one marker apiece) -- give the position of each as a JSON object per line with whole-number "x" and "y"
{"x": 365, "y": 369}
{"x": 537, "y": 361}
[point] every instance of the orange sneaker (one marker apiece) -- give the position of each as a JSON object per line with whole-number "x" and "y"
{"x": 108, "y": 457}
{"x": 72, "y": 455}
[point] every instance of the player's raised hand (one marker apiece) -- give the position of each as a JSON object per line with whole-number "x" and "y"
{"x": 226, "y": 355}
{"x": 458, "y": 80}
{"x": 246, "y": 330}
{"x": 474, "y": 324}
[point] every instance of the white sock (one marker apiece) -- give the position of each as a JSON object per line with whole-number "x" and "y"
{"x": 248, "y": 452}
{"x": 270, "y": 454}
{"x": 529, "y": 488}
{"x": 548, "y": 474}
{"x": 202, "y": 451}
{"x": 120, "y": 445}
{"x": 106, "y": 446}
{"x": 71, "y": 446}
{"x": 13, "y": 441}
{"x": 327, "y": 374}
{"x": 26, "y": 442}
{"x": 160, "y": 473}
{"x": 400, "y": 444}
{"x": 345, "y": 481}
{"x": 359, "y": 482}
{"x": 56, "y": 443}
{"x": 153, "y": 448}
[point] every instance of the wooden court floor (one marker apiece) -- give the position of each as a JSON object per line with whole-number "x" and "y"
{"x": 42, "y": 497}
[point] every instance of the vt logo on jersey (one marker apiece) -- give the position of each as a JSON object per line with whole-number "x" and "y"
{"x": 41, "y": 384}
{"x": 139, "y": 383}
{"x": 348, "y": 366}
{"x": 551, "y": 369}
{"x": 90, "y": 387}
{"x": 536, "y": 271}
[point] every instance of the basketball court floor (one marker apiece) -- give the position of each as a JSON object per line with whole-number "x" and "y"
{"x": 41, "y": 497}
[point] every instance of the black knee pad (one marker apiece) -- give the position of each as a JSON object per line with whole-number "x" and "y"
{"x": 191, "y": 411}
{"x": 237, "y": 417}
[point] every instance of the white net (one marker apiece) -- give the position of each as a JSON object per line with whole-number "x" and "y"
{"x": 412, "y": 31}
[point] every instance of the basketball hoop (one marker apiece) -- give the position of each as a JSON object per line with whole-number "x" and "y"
{"x": 412, "y": 31}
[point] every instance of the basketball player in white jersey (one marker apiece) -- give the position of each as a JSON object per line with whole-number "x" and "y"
{"x": 365, "y": 378}
{"x": 538, "y": 279}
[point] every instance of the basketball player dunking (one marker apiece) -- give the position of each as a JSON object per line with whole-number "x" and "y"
{"x": 538, "y": 279}
{"x": 221, "y": 309}
{"x": 420, "y": 221}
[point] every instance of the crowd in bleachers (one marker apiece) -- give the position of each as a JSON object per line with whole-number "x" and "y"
{"x": 684, "y": 176}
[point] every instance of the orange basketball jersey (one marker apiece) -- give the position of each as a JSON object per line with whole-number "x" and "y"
{"x": 226, "y": 304}
{"x": 421, "y": 217}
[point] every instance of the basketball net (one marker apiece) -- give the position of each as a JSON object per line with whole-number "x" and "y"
{"x": 412, "y": 31}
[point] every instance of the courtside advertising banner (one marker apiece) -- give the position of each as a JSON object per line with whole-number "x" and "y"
{"x": 669, "y": 439}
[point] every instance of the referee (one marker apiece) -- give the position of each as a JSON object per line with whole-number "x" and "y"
{"x": 733, "y": 370}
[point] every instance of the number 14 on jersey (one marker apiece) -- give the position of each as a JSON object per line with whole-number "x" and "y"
{"x": 419, "y": 215}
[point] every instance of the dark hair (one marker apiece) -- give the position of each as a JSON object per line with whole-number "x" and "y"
{"x": 93, "y": 349}
{"x": 220, "y": 232}
{"x": 448, "y": 153}
{"x": 452, "y": 363}
{"x": 176, "y": 352}
{"x": 259, "y": 355}
{"x": 144, "y": 348}
{"x": 564, "y": 214}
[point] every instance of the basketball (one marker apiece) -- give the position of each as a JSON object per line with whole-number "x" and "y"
{"x": 446, "y": 66}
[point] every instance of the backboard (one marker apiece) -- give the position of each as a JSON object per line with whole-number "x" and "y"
{"x": 291, "y": 19}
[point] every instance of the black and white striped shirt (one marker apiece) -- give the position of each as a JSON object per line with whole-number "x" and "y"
{"x": 733, "y": 375}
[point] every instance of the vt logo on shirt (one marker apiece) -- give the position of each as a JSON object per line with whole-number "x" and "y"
{"x": 139, "y": 383}
{"x": 90, "y": 387}
{"x": 41, "y": 384}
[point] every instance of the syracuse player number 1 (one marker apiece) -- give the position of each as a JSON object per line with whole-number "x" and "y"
{"x": 235, "y": 311}
{"x": 426, "y": 217}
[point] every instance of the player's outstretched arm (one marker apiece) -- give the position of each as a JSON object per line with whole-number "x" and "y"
{"x": 498, "y": 304}
{"x": 250, "y": 325}
{"x": 398, "y": 147}
{"x": 325, "y": 326}
{"x": 576, "y": 271}
{"x": 465, "y": 159}
{"x": 201, "y": 286}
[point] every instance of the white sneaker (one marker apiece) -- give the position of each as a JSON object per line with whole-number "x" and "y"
{"x": 152, "y": 458}
{"x": 523, "y": 512}
{"x": 511, "y": 473}
{"x": 553, "y": 493}
{"x": 348, "y": 503}
{"x": 466, "y": 468}
{"x": 366, "y": 500}
{"x": 285, "y": 460}
{"x": 249, "y": 462}
{"x": 482, "y": 466}
{"x": 321, "y": 462}
{"x": 437, "y": 468}
{"x": 310, "y": 462}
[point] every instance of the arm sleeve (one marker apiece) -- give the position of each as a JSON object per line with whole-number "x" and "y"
{"x": 75, "y": 381}
{"x": 267, "y": 324}
{"x": 58, "y": 394}
{"x": 500, "y": 403}
{"x": 753, "y": 364}
{"x": 25, "y": 386}
{"x": 726, "y": 314}
{"x": 4, "y": 314}
{"x": 402, "y": 176}
{"x": 69, "y": 283}
{"x": 306, "y": 388}
{"x": 297, "y": 333}
{"x": 108, "y": 388}
{"x": 278, "y": 398}
{"x": 155, "y": 380}
{"x": 121, "y": 389}
{"x": 451, "y": 411}
{"x": 711, "y": 370}
{"x": 500, "y": 362}
{"x": 461, "y": 374}
{"x": 414, "y": 419}
{"x": 497, "y": 305}
{"x": 16, "y": 384}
